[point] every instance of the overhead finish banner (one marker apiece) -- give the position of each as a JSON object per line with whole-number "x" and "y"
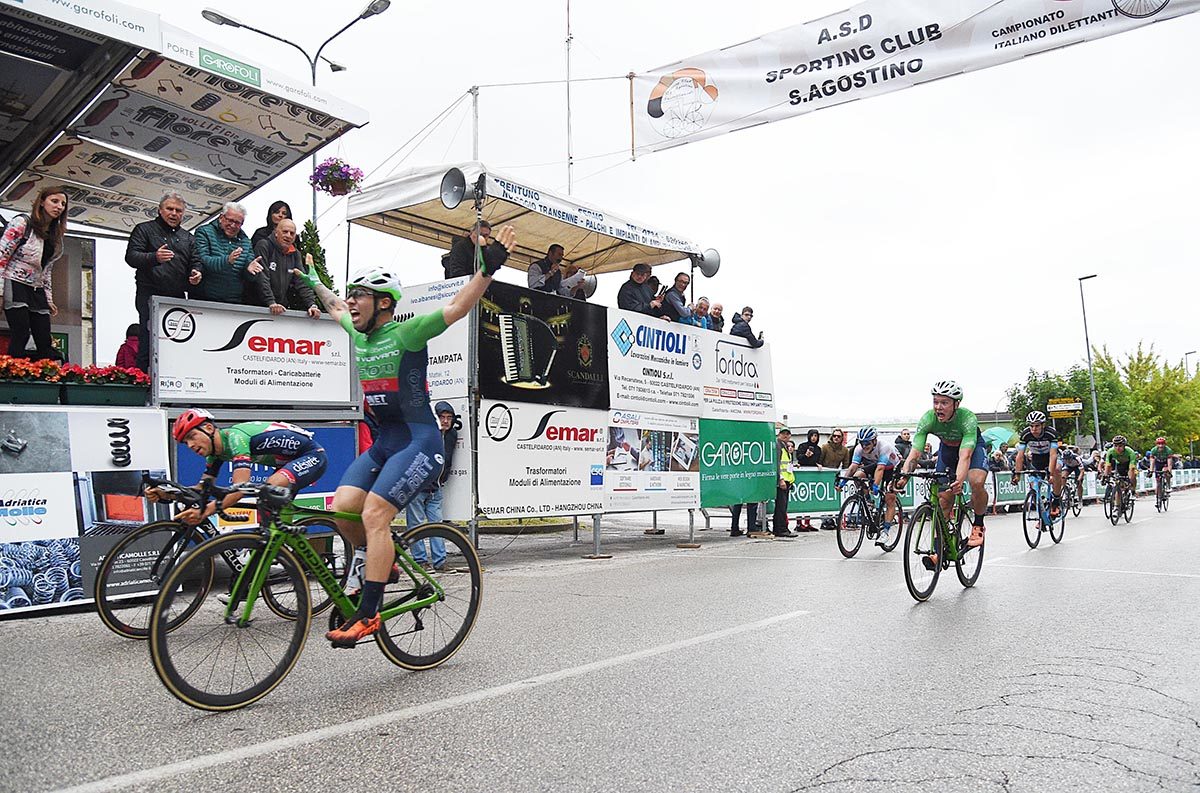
{"x": 870, "y": 49}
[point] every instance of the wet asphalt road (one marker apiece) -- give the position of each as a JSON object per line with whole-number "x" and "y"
{"x": 747, "y": 665}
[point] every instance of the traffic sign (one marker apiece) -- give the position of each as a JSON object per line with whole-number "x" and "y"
{"x": 1064, "y": 408}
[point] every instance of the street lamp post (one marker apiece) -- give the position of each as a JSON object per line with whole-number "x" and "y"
{"x": 1186, "y": 370}
{"x": 1087, "y": 341}
{"x": 373, "y": 8}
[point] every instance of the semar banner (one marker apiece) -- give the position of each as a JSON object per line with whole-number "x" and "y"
{"x": 872, "y": 48}
{"x": 737, "y": 462}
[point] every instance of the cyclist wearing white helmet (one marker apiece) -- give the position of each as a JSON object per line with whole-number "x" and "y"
{"x": 1042, "y": 443}
{"x": 962, "y": 450}
{"x": 407, "y": 453}
{"x": 876, "y": 459}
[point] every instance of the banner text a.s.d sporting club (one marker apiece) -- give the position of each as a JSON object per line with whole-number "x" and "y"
{"x": 210, "y": 353}
{"x": 872, "y": 48}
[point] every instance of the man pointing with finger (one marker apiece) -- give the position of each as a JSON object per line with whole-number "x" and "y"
{"x": 225, "y": 257}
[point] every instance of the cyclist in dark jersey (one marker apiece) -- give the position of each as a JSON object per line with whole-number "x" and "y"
{"x": 407, "y": 453}
{"x": 300, "y": 460}
{"x": 1041, "y": 443}
{"x": 962, "y": 450}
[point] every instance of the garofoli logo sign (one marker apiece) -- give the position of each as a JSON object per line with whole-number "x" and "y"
{"x": 735, "y": 453}
{"x": 271, "y": 344}
{"x": 236, "y": 70}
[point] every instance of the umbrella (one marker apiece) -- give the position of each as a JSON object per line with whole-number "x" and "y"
{"x": 998, "y": 435}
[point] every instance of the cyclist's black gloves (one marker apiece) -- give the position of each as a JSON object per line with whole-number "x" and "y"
{"x": 494, "y": 256}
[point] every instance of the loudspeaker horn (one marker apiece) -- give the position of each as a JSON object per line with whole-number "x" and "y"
{"x": 708, "y": 262}
{"x": 454, "y": 188}
{"x": 589, "y": 285}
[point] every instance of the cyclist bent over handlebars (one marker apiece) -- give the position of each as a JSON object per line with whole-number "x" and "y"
{"x": 408, "y": 453}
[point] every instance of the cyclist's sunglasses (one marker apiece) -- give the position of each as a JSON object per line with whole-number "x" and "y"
{"x": 359, "y": 294}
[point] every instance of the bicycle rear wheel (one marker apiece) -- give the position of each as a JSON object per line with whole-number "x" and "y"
{"x": 333, "y": 548}
{"x": 970, "y": 560}
{"x": 214, "y": 663}
{"x": 428, "y": 636}
{"x": 131, "y": 574}
{"x": 852, "y": 525}
{"x": 1031, "y": 520}
{"x": 921, "y": 539}
{"x": 897, "y": 529}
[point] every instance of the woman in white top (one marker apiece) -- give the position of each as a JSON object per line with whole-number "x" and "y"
{"x": 30, "y": 246}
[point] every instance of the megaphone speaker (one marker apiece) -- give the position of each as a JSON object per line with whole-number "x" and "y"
{"x": 454, "y": 188}
{"x": 708, "y": 262}
{"x": 589, "y": 285}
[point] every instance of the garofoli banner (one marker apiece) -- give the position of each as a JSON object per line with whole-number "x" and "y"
{"x": 212, "y": 353}
{"x": 737, "y": 462}
{"x": 869, "y": 49}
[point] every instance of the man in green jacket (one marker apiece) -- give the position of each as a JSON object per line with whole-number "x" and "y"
{"x": 225, "y": 256}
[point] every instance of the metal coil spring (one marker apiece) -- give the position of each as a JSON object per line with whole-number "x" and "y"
{"x": 75, "y": 571}
{"x": 43, "y": 589}
{"x": 16, "y": 599}
{"x": 59, "y": 577}
{"x": 119, "y": 442}
{"x": 74, "y": 593}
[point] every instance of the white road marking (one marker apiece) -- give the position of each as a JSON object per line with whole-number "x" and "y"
{"x": 150, "y": 775}
{"x": 1097, "y": 570}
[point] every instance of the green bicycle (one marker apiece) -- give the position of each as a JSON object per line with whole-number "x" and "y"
{"x": 226, "y": 655}
{"x": 931, "y": 536}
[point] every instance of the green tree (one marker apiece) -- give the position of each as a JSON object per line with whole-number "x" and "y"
{"x": 310, "y": 243}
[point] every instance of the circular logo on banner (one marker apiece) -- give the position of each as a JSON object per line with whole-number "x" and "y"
{"x": 498, "y": 422}
{"x": 179, "y": 325}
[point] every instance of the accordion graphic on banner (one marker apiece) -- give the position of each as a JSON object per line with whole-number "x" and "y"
{"x": 529, "y": 347}
{"x": 543, "y": 348}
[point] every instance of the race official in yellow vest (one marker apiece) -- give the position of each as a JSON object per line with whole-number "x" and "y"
{"x": 783, "y": 486}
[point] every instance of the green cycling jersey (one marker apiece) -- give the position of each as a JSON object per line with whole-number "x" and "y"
{"x": 962, "y": 430}
{"x": 1161, "y": 455}
{"x": 392, "y": 365}
{"x": 1125, "y": 458}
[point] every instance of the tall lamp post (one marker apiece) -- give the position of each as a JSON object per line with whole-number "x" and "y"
{"x": 1186, "y": 370}
{"x": 373, "y": 8}
{"x": 1088, "y": 342}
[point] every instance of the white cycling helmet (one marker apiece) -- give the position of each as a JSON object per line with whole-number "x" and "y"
{"x": 378, "y": 279}
{"x": 867, "y": 434}
{"x": 947, "y": 388}
{"x": 1035, "y": 417}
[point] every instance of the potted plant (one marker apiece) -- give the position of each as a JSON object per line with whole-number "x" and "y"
{"x": 336, "y": 177}
{"x": 26, "y": 382}
{"x": 104, "y": 385}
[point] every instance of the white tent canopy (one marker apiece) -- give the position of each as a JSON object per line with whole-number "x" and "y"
{"x": 409, "y": 205}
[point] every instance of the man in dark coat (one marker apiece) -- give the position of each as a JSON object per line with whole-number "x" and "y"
{"x": 161, "y": 253}
{"x": 808, "y": 455}
{"x": 276, "y": 287}
{"x": 461, "y": 258}
{"x": 634, "y": 295}
{"x": 741, "y": 327}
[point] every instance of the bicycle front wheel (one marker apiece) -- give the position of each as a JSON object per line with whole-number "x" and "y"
{"x": 1114, "y": 509}
{"x": 131, "y": 574}
{"x": 335, "y": 551}
{"x": 1031, "y": 520}
{"x": 1058, "y": 526}
{"x": 216, "y": 663}
{"x": 1109, "y": 495}
{"x": 970, "y": 560}
{"x": 1128, "y": 508}
{"x": 921, "y": 542}
{"x": 426, "y": 637}
{"x": 851, "y": 525}
{"x": 1076, "y": 501}
{"x": 1166, "y": 499}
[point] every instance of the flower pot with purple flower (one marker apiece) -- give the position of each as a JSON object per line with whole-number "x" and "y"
{"x": 336, "y": 177}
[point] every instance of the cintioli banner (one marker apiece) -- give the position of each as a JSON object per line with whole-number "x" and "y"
{"x": 737, "y": 462}
{"x": 869, "y": 49}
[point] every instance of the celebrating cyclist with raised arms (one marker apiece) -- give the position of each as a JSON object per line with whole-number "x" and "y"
{"x": 407, "y": 453}
{"x": 300, "y": 459}
{"x": 962, "y": 451}
{"x": 1042, "y": 444}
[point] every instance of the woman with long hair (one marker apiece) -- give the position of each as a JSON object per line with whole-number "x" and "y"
{"x": 30, "y": 246}
{"x": 279, "y": 211}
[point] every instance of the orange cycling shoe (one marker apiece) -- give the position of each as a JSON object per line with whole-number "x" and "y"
{"x": 354, "y": 631}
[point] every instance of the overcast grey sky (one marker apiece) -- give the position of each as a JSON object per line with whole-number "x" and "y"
{"x": 936, "y": 232}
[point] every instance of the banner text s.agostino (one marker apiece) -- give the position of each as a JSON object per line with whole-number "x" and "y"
{"x": 210, "y": 353}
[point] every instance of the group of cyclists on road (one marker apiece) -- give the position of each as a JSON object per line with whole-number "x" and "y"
{"x": 407, "y": 451}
